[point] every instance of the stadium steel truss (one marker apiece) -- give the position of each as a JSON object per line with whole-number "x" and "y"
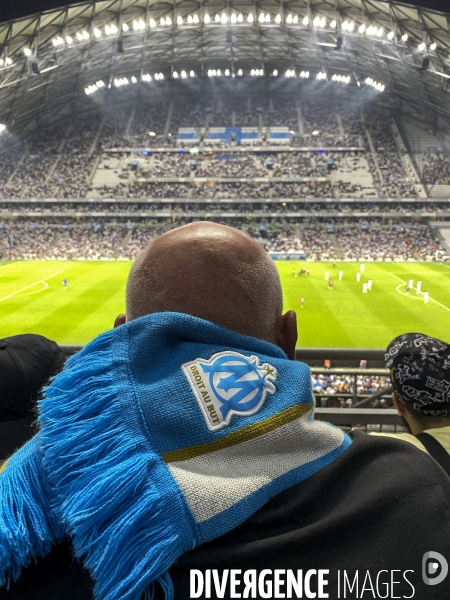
{"x": 52, "y": 61}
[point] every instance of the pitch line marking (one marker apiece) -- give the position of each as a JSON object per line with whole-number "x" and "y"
{"x": 429, "y": 297}
{"x": 30, "y": 286}
{"x": 44, "y": 287}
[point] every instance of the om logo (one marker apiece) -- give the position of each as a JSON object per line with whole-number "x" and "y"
{"x": 230, "y": 383}
{"x": 237, "y": 382}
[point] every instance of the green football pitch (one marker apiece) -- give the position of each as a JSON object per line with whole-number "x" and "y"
{"x": 33, "y": 300}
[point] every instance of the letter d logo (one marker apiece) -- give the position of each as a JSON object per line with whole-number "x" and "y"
{"x": 432, "y": 563}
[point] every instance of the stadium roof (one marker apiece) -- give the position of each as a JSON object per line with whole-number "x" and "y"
{"x": 49, "y": 59}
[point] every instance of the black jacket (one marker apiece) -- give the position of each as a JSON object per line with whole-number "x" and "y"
{"x": 378, "y": 508}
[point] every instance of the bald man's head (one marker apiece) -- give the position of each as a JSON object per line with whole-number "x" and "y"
{"x": 209, "y": 271}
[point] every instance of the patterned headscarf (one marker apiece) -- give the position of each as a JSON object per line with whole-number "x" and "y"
{"x": 420, "y": 372}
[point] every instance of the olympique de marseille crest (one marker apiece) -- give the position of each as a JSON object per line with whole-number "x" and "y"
{"x": 228, "y": 384}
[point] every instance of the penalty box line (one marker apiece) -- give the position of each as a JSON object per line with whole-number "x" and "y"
{"x": 27, "y": 287}
{"x": 429, "y": 297}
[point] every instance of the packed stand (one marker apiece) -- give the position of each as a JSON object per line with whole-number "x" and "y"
{"x": 25, "y": 243}
{"x": 88, "y": 244}
{"x": 391, "y": 243}
{"x": 436, "y": 170}
{"x": 317, "y": 243}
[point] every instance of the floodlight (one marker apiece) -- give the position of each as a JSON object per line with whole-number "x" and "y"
{"x": 261, "y": 18}
{"x": 183, "y": 74}
{"x": 404, "y": 37}
{"x": 239, "y": 72}
{"x": 79, "y": 36}
{"x": 333, "y": 24}
{"x": 69, "y": 40}
{"x": 27, "y": 52}
{"x": 250, "y": 18}
{"x": 180, "y": 20}
{"x": 219, "y": 72}
{"x": 323, "y": 22}
{"x": 278, "y": 19}
{"x": 267, "y": 19}
{"x": 162, "y": 21}
{"x": 1, "y": 62}
{"x": 8, "y": 61}
{"x": 316, "y": 22}
{"x": 362, "y": 28}
{"x": 305, "y": 20}
{"x": 196, "y": 19}
{"x": 227, "y": 72}
{"x": 125, "y": 27}
{"x": 206, "y": 19}
{"x": 175, "y": 75}
{"x": 351, "y": 26}
{"x": 134, "y": 79}
{"x": 289, "y": 19}
{"x": 345, "y": 25}
{"x": 275, "y": 72}
{"x": 433, "y": 46}
{"x": 380, "y": 32}
{"x": 295, "y": 19}
{"x": 98, "y": 33}
{"x": 240, "y": 18}
{"x": 421, "y": 47}
{"x": 224, "y": 18}
{"x": 391, "y": 35}
{"x": 2, "y": 127}
{"x": 168, "y": 21}
{"x": 152, "y": 23}
{"x": 233, "y": 18}
{"x": 191, "y": 73}
{"x": 217, "y": 18}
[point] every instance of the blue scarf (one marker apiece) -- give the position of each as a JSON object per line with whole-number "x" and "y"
{"x": 160, "y": 435}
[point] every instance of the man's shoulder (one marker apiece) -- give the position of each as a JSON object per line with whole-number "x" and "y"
{"x": 403, "y": 437}
{"x": 442, "y": 435}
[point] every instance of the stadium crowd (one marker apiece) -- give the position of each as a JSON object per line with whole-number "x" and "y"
{"x": 436, "y": 169}
{"x": 405, "y": 242}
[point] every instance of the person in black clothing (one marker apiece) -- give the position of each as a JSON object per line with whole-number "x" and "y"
{"x": 26, "y": 363}
{"x": 364, "y": 521}
{"x": 420, "y": 374}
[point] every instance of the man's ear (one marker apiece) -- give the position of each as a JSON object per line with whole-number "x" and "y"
{"x": 120, "y": 320}
{"x": 287, "y": 333}
{"x": 398, "y": 405}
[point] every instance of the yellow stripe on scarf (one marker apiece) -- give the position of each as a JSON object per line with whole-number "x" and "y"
{"x": 242, "y": 435}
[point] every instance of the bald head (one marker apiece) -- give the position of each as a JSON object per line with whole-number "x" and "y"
{"x": 209, "y": 271}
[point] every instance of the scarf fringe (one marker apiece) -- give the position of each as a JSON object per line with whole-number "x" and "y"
{"x": 28, "y": 527}
{"x": 104, "y": 481}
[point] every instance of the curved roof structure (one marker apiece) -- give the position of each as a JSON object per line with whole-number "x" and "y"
{"x": 51, "y": 61}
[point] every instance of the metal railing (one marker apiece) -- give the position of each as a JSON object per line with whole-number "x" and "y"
{"x": 308, "y": 355}
{"x": 370, "y": 419}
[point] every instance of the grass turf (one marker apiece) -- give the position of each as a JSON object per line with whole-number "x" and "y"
{"x": 33, "y": 300}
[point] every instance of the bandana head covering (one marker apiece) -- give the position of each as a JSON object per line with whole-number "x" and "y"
{"x": 420, "y": 372}
{"x": 162, "y": 434}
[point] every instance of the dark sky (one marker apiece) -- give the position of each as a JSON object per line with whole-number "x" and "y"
{"x": 10, "y": 9}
